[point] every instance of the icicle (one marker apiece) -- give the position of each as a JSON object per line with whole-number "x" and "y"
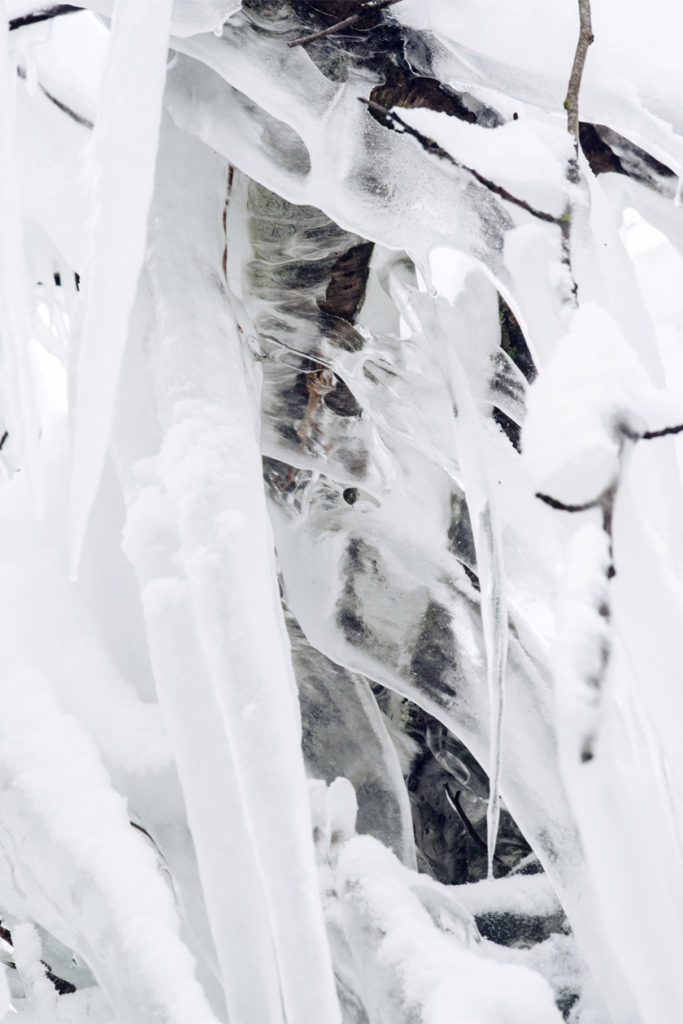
{"x": 17, "y": 390}
{"x": 222, "y": 570}
{"x": 125, "y": 146}
{"x": 31, "y": 73}
{"x": 432, "y": 317}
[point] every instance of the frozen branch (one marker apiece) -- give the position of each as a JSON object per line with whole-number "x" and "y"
{"x": 571, "y": 105}
{"x": 433, "y": 147}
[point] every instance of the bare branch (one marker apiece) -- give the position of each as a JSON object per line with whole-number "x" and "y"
{"x": 571, "y": 102}
{"x": 433, "y": 147}
{"x": 346, "y": 23}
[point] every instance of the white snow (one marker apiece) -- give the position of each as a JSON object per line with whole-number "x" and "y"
{"x": 592, "y": 397}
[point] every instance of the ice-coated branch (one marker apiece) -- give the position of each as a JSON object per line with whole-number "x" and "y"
{"x": 571, "y": 105}
{"x": 345, "y": 23}
{"x": 45, "y": 14}
{"x": 78, "y": 118}
{"x": 571, "y": 102}
{"x": 433, "y": 147}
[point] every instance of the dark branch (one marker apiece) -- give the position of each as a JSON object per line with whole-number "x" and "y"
{"x": 433, "y": 147}
{"x": 346, "y": 23}
{"x": 46, "y": 14}
{"x": 562, "y": 507}
{"x": 664, "y": 432}
{"x": 78, "y": 118}
{"x": 2, "y": 445}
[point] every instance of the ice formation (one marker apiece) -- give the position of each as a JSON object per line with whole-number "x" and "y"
{"x": 340, "y": 513}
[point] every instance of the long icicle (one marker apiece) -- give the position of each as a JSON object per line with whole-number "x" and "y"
{"x": 125, "y": 149}
{"x": 487, "y": 541}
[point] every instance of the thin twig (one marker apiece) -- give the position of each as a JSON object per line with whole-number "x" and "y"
{"x": 433, "y": 147}
{"x": 562, "y": 507}
{"x": 346, "y": 23}
{"x": 78, "y": 118}
{"x": 650, "y": 434}
{"x": 46, "y": 14}
{"x": 84, "y": 122}
{"x": 2, "y": 445}
{"x": 571, "y": 102}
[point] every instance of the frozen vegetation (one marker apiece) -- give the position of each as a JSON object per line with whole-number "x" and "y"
{"x": 341, "y": 518}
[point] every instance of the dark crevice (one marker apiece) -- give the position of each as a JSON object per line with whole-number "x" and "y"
{"x": 348, "y": 280}
{"x": 609, "y": 152}
{"x": 512, "y": 430}
{"x": 513, "y": 342}
{"x": 601, "y": 159}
